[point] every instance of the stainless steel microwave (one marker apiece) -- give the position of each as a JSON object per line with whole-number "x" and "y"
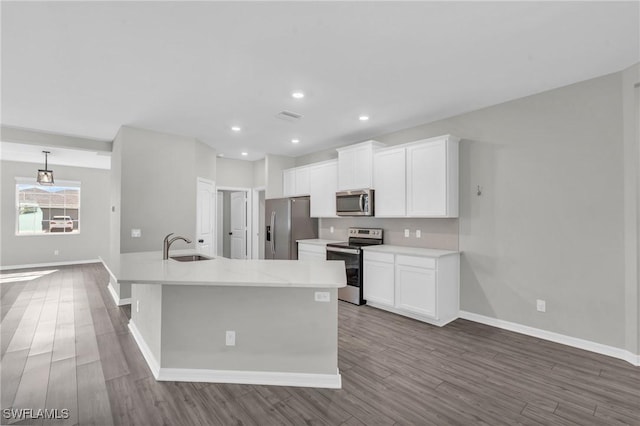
{"x": 355, "y": 203}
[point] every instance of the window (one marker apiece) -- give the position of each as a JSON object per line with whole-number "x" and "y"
{"x": 44, "y": 210}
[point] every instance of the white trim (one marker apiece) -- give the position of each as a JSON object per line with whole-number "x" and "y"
{"x": 554, "y": 337}
{"x": 49, "y": 264}
{"x": 153, "y": 364}
{"x": 255, "y": 217}
{"x": 116, "y": 296}
{"x": 272, "y": 378}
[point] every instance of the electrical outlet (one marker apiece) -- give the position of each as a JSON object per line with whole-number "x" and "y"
{"x": 541, "y": 305}
{"x": 56, "y": 252}
{"x": 230, "y": 338}
{"x": 137, "y": 306}
{"x": 418, "y": 233}
{"x": 136, "y": 233}
{"x": 322, "y": 296}
{"x": 331, "y": 229}
{"x": 407, "y": 233}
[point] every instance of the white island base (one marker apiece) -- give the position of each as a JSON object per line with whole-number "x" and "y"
{"x": 283, "y": 336}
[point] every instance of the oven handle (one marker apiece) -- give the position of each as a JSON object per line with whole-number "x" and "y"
{"x": 343, "y": 250}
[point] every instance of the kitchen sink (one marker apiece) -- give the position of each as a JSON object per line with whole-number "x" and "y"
{"x": 190, "y": 258}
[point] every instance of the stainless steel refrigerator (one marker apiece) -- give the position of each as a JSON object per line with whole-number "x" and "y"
{"x": 287, "y": 220}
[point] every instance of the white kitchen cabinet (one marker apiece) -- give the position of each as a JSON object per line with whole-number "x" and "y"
{"x": 378, "y": 274}
{"x": 311, "y": 252}
{"x": 355, "y": 166}
{"x": 432, "y": 178}
{"x": 415, "y": 286}
{"x": 295, "y": 181}
{"x": 389, "y": 182}
{"x": 418, "y": 283}
{"x": 288, "y": 182}
{"x": 323, "y": 184}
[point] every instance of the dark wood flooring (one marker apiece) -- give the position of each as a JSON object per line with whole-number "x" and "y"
{"x": 64, "y": 344}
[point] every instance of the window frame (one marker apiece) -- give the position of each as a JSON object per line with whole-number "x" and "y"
{"x": 58, "y": 183}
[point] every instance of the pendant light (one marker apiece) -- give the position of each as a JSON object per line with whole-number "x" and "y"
{"x": 45, "y": 177}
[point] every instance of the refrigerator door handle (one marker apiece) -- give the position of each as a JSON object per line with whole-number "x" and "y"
{"x": 273, "y": 233}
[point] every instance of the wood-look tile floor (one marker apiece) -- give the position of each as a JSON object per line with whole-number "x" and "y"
{"x": 66, "y": 345}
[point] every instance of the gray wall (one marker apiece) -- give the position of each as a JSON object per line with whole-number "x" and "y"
{"x": 274, "y": 165}
{"x": 234, "y": 173}
{"x": 259, "y": 174}
{"x": 93, "y": 239}
{"x": 631, "y": 120}
{"x": 157, "y": 185}
{"x": 549, "y": 224}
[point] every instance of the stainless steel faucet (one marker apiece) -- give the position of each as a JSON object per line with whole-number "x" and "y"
{"x": 167, "y": 243}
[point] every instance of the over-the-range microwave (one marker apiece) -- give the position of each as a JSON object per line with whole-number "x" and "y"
{"x": 355, "y": 203}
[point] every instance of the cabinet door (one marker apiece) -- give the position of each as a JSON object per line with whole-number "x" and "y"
{"x": 416, "y": 290}
{"x": 389, "y": 182}
{"x": 309, "y": 255}
{"x": 323, "y": 184}
{"x": 378, "y": 282}
{"x": 288, "y": 182}
{"x": 346, "y": 169}
{"x": 427, "y": 179}
{"x": 302, "y": 181}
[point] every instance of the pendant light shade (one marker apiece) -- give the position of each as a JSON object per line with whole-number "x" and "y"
{"x": 45, "y": 177}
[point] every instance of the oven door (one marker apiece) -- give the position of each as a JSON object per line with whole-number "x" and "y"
{"x": 352, "y": 258}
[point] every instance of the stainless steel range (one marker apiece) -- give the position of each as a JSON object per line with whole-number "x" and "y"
{"x": 351, "y": 253}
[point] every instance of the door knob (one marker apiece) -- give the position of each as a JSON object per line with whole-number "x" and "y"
{"x": 201, "y": 241}
{"x": 230, "y": 233}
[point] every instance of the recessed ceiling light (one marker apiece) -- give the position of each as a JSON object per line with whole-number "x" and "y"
{"x": 245, "y": 153}
{"x": 298, "y": 95}
{"x": 221, "y": 155}
{"x": 295, "y": 140}
{"x": 236, "y": 128}
{"x": 363, "y": 117}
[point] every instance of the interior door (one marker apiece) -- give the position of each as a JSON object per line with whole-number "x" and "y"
{"x": 205, "y": 217}
{"x": 238, "y": 225}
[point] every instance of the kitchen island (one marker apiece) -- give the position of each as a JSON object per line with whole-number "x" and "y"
{"x": 235, "y": 321}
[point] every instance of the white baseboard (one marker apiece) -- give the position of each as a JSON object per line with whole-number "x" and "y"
{"x": 49, "y": 264}
{"x": 554, "y": 337}
{"x": 153, "y": 364}
{"x": 273, "y": 378}
{"x": 116, "y": 296}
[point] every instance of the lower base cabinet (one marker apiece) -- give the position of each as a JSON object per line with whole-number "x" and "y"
{"x": 420, "y": 287}
{"x": 311, "y": 252}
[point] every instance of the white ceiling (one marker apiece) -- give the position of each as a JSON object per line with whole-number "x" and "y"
{"x": 196, "y": 68}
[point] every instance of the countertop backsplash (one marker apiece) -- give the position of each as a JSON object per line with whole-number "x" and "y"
{"x": 436, "y": 233}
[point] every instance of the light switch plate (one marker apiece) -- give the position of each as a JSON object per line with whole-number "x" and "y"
{"x": 230, "y": 338}
{"x": 136, "y": 233}
{"x": 418, "y": 233}
{"x": 407, "y": 233}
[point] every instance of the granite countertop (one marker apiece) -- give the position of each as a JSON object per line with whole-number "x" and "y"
{"x": 410, "y": 251}
{"x": 150, "y": 268}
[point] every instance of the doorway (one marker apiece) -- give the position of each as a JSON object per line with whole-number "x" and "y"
{"x": 233, "y": 223}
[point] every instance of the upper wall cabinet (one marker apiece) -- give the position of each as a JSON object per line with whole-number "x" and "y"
{"x": 355, "y": 165}
{"x": 295, "y": 182}
{"x": 390, "y": 182}
{"x": 419, "y": 179}
{"x": 323, "y": 184}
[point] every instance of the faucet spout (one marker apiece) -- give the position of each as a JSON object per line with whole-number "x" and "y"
{"x": 167, "y": 244}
